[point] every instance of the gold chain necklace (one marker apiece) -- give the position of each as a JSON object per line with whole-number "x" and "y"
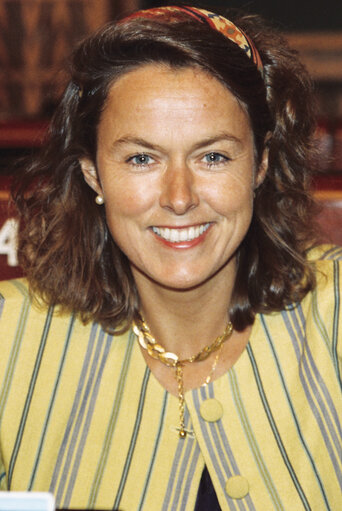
{"x": 156, "y": 351}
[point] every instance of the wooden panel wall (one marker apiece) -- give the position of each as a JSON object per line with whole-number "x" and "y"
{"x": 36, "y": 36}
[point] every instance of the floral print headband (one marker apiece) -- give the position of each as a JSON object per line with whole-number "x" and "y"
{"x": 215, "y": 21}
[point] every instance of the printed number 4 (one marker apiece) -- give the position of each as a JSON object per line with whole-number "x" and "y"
{"x": 8, "y": 241}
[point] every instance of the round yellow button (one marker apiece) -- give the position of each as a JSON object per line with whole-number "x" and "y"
{"x": 211, "y": 410}
{"x": 237, "y": 487}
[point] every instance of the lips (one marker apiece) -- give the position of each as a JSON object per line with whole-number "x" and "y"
{"x": 181, "y": 235}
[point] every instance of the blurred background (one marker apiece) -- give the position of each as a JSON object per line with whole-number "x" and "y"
{"x": 36, "y": 37}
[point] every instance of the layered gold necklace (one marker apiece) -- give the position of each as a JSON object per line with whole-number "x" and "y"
{"x": 156, "y": 351}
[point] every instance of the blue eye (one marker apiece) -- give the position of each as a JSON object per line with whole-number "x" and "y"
{"x": 140, "y": 159}
{"x": 215, "y": 158}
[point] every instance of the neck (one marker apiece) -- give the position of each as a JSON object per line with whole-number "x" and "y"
{"x": 184, "y": 321}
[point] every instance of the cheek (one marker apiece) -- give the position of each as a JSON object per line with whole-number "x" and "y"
{"x": 127, "y": 199}
{"x": 234, "y": 196}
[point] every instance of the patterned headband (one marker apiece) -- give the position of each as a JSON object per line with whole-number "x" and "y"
{"x": 215, "y": 21}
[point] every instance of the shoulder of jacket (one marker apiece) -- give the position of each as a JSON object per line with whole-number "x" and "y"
{"x": 325, "y": 253}
{"x": 13, "y": 290}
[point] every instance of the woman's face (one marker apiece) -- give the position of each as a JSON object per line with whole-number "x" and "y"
{"x": 176, "y": 167}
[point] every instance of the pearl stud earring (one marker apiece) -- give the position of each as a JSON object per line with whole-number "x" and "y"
{"x": 99, "y": 200}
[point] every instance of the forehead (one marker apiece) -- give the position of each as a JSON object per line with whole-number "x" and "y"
{"x": 157, "y": 95}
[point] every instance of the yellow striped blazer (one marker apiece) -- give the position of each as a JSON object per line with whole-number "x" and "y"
{"x": 83, "y": 417}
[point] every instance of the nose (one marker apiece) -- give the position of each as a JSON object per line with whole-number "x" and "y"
{"x": 178, "y": 192}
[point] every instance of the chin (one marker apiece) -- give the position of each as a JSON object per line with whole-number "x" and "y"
{"x": 182, "y": 282}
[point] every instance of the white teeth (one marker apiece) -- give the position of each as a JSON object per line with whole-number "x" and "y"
{"x": 174, "y": 235}
{"x": 183, "y": 235}
{"x": 177, "y": 235}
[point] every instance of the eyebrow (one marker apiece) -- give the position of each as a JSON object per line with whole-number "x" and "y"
{"x": 135, "y": 141}
{"x": 218, "y": 138}
{"x": 202, "y": 143}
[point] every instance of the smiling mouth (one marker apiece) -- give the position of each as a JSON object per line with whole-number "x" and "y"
{"x": 180, "y": 235}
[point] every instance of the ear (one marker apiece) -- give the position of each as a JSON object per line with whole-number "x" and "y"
{"x": 90, "y": 175}
{"x": 263, "y": 166}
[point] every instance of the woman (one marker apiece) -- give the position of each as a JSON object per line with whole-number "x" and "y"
{"x": 187, "y": 354}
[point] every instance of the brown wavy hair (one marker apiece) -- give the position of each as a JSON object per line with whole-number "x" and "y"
{"x": 65, "y": 247}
